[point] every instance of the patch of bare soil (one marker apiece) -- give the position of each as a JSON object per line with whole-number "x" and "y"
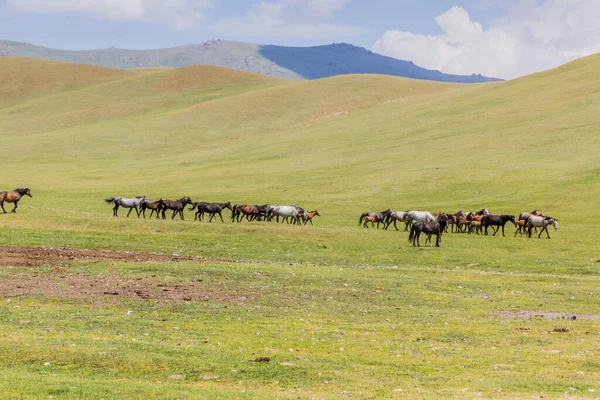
{"x": 38, "y": 256}
{"x": 89, "y": 286}
{"x": 545, "y": 315}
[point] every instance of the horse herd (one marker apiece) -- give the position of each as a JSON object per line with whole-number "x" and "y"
{"x": 291, "y": 214}
{"x": 460, "y": 222}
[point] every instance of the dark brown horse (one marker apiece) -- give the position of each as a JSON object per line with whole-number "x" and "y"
{"x": 210, "y": 208}
{"x": 154, "y": 207}
{"x": 176, "y": 205}
{"x": 497, "y": 221}
{"x": 430, "y": 228}
{"x": 13, "y": 197}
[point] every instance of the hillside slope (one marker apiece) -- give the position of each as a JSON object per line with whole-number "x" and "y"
{"x": 344, "y": 141}
{"x": 278, "y": 61}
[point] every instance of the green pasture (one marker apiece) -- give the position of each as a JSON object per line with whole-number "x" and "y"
{"x": 339, "y": 310}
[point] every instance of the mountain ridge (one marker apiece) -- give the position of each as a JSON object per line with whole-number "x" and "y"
{"x": 279, "y": 61}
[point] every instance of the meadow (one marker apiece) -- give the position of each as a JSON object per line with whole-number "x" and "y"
{"x": 278, "y": 311}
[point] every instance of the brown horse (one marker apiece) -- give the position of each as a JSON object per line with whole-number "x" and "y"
{"x": 154, "y": 207}
{"x": 310, "y": 215}
{"x": 13, "y": 197}
{"x": 252, "y": 212}
{"x": 176, "y": 205}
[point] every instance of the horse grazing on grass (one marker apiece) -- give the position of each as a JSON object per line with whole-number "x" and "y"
{"x": 210, "y": 208}
{"x": 377, "y": 216}
{"x": 540, "y": 222}
{"x": 154, "y": 207}
{"x": 498, "y": 221}
{"x": 13, "y": 197}
{"x": 131, "y": 203}
{"x": 176, "y": 205}
{"x": 430, "y": 228}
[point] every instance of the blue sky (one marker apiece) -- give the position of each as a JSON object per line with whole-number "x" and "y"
{"x": 504, "y": 38}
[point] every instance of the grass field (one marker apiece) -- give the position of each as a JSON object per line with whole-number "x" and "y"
{"x": 340, "y": 311}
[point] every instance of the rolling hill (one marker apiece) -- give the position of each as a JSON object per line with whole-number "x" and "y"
{"x": 278, "y": 61}
{"x": 219, "y": 126}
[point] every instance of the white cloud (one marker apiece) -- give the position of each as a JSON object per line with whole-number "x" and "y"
{"x": 177, "y": 14}
{"x": 533, "y": 36}
{"x": 299, "y": 19}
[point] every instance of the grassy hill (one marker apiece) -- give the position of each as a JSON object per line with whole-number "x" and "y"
{"x": 279, "y": 61}
{"x": 340, "y": 310}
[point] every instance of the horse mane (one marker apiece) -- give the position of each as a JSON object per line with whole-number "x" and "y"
{"x": 21, "y": 191}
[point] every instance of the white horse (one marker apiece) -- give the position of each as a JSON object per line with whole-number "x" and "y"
{"x": 131, "y": 203}
{"x": 540, "y": 222}
{"x": 417, "y": 216}
{"x": 285, "y": 212}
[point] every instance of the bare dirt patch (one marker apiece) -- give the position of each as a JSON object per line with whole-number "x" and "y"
{"x": 545, "y": 315}
{"x": 111, "y": 287}
{"x": 38, "y": 256}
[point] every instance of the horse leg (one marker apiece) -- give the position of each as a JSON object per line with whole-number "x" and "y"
{"x": 503, "y": 231}
{"x": 220, "y": 216}
{"x": 15, "y": 207}
{"x": 495, "y": 230}
{"x": 131, "y": 209}
{"x": 438, "y": 240}
{"x": 2, "y": 204}
{"x": 115, "y": 208}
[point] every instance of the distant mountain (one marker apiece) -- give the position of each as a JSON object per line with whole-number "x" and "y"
{"x": 279, "y": 61}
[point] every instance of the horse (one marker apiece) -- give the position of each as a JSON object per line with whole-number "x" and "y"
{"x": 154, "y": 207}
{"x": 394, "y": 217}
{"x": 13, "y": 197}
{"x": 540, "y": 222}
{"x": 525, "y": 215}
{"x": 496, "y": 220}
{"x": 201, "y": 206}
{"x": 521, "y": 228}
{"x": 380, "y": 216}
{"x": 131, "y": 203}
{"x": 372, "y": 219}
{"x": 417, "y": 216}
{"x": 177, "y": 206}
{"x": 251, "y": 212}
{"x": 310, "y": 215}
{"x": 429, "y": 228}
{"x": 212, "y": 209}
{"x": 284, "y": 211}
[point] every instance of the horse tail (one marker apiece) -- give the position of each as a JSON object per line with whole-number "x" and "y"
{"x": 411, "y": 236}
{"x": 110, "y": 200}
{"x": 193, "y": 207}
{"x": 360, "y": 220}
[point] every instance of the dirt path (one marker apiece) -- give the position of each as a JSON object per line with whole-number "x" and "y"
{"x": 38, "y": 256}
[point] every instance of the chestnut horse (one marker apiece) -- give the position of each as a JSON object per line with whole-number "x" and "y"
{"x": 310, "y": 215}
{"x": 13, "y": 197}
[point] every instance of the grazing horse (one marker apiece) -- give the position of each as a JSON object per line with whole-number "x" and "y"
{"x": 310, "y": 215}
{"x": 212, "y": 209}
{"x": 176, "y": 205}
{"x": 131, "y": 203}
{"x": 154, "y": 207}
{"x": 379, "y": 216}
{"x": 394, "y": 217}
{"x": 284, "y": 211}
{"x": 13, "y": 197}
{"x": 540, "y": 222}
{"x": 496, "y": 220}
{"x": 429, "y": 228}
